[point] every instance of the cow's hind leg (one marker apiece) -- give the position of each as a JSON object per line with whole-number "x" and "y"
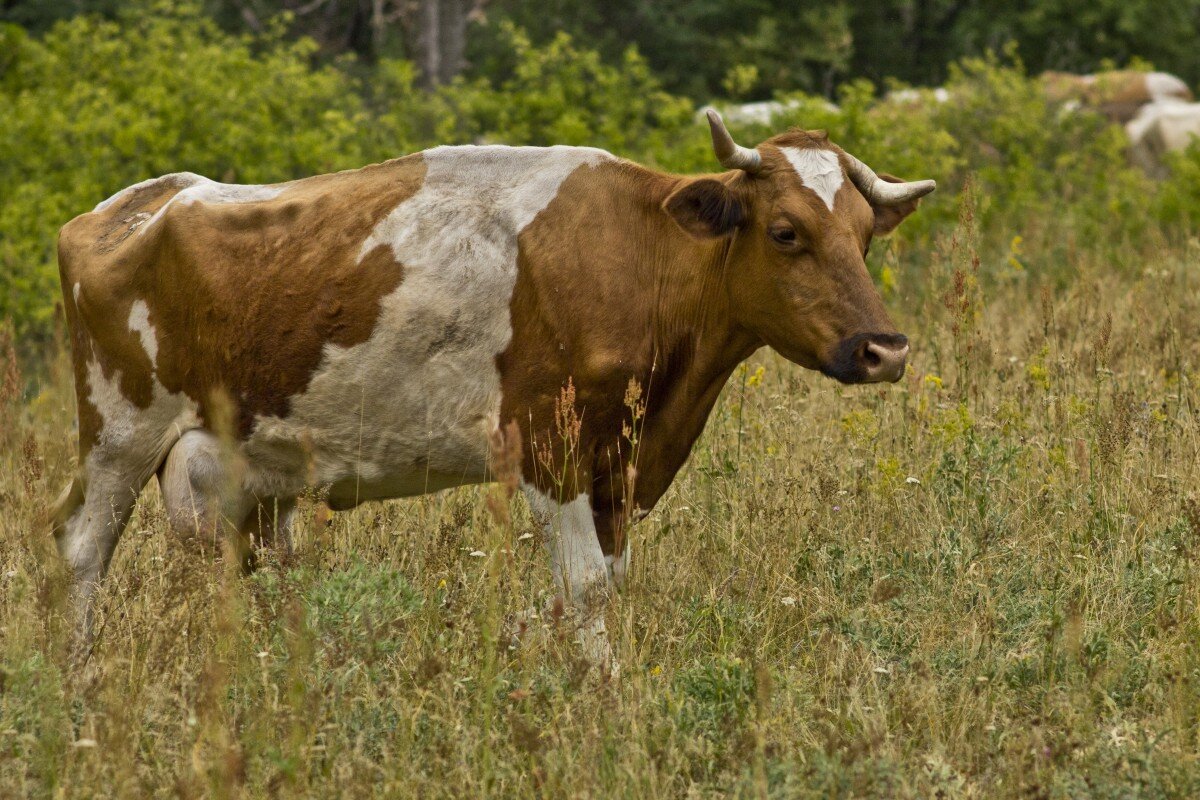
{"x": 205, "y": 500}
{"x": 89, "y": 518}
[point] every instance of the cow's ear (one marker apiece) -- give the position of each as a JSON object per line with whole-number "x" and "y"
{"x": 705, "y": 208}
{"x": 888, "y": 217}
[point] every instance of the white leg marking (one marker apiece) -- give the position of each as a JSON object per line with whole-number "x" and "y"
{"x": 578, "y": 565}
{"x": 89, "y": 535}
{"x": 618, "y": 567}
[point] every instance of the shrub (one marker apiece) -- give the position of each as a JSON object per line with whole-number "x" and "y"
{"x": 95, "y": 106}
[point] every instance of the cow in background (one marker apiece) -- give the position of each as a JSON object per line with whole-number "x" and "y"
{"x": 1118, "y": 95}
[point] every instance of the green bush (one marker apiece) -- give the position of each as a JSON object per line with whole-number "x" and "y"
{"x": 1053, "y": 177}
{"x": 95, "y": 106}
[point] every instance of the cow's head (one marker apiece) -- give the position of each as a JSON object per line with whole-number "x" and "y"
{"x": 799, "y": 215}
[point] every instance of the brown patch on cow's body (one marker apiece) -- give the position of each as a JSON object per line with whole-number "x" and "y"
{"x": 243, "y": 296}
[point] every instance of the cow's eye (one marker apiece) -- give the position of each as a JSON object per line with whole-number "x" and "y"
{"x": 783, "y": 236}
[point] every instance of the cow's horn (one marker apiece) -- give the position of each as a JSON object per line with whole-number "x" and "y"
{"x": 881, "y": 192}
{"x": 731, "y": 154}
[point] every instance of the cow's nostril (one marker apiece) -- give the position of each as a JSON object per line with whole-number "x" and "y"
{"x": 884, "y": 360}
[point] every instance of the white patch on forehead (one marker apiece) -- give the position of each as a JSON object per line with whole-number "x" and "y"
{"x": 818, "y": 169}
{"x": 139, "y": 323}
{"x": 426, "y": 382}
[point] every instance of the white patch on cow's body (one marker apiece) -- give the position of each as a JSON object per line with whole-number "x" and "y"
{"x": 139, "y": 323}
{"x": 1159, "y": 128}
{"x": 203, "y": 190}
{"x": 175, "y": 179}
{"x": 128, "y": 428}
{"x": 75, "y": 293}
{"x": 820, "y": 171}
{"x": 410, "y": 410}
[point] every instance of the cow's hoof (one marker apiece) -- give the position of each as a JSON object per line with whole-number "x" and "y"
{"x": 597, "y": 652}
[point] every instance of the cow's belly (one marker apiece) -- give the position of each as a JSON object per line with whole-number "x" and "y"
{"x": 409, "y": 411}
{"x": 349, "y": 492}
{"x": 368, "y": 434}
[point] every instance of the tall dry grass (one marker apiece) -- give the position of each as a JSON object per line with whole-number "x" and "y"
{"x": 981, "y": 582}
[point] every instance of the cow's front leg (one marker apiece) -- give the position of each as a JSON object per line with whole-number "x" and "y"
{"x": 579, "y": 567}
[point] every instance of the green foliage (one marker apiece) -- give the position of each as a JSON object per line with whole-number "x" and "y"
{"x": 1179, "y": 197}
{"x": 768, "y": 46}
{"x": 716, "y": 696}
{"x": 95, "y": 106}
{"x": 565, "y": 94}
{"x": 693, "y": 46}
{"x": 359, "y": 610}
{"x": 1057, "y": 175}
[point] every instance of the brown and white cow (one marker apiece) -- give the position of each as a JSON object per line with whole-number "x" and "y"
{"x": 371, "y": 331}
{"x": 1118, "y": 95}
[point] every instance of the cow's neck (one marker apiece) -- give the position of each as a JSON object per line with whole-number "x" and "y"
{"x": 697, "y": 346}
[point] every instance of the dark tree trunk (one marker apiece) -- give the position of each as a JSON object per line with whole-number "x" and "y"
{"x": 429, "y": 42}
{"x": 441, "y": 39}
{"x": 455, "y": 16}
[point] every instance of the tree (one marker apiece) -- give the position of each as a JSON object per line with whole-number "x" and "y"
{"x": 701, "y": 48}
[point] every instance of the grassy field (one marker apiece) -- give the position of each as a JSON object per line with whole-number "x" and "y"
{"x": 981, "y": 582}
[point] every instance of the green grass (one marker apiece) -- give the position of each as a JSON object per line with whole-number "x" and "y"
{"x": 980, "y": 582}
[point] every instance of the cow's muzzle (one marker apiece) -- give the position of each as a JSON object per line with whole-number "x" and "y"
{"x": 869, "y": 358}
